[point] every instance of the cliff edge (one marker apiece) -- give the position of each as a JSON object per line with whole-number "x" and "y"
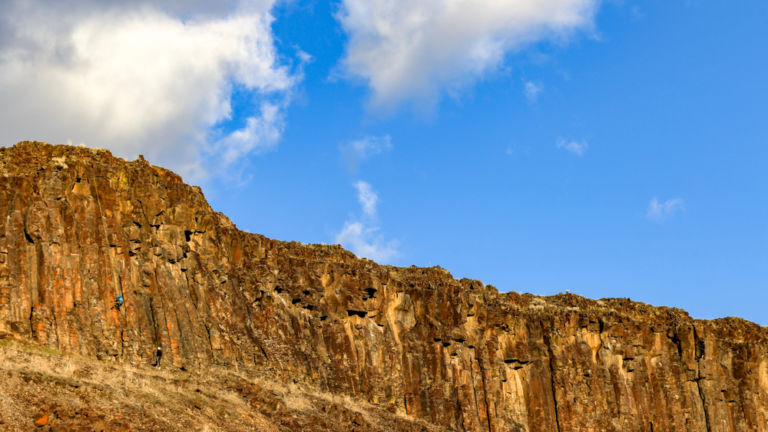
{"x": 79, "y": 227}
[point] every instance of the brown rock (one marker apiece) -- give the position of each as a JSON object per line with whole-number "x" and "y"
{"x": 78, "y": 227}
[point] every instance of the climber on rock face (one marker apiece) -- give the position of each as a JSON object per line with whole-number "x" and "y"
{"x": 158, "y": 356}
{"x": 118, "y": 303}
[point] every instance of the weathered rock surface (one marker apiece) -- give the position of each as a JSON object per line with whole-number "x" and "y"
{"x": 79, "y": 227}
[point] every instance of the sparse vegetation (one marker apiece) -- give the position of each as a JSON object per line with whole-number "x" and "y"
{"x": 75, "y": 391}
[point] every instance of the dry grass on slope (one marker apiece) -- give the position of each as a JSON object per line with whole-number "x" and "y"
{"x": 65, "y": 392}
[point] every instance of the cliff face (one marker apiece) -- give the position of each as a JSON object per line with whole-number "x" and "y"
{"x": 79, "y": 227}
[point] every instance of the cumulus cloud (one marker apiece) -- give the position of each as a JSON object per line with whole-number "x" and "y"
{"x": 532, "y": 91}
{"x": 143, "y": 77}
{"x": 362, "y": 236}
{"x": 659, "y": 211}
{"x": 413, "y": 50}
{"x": 357, "y": 151}
{"x": 576, "y": 147}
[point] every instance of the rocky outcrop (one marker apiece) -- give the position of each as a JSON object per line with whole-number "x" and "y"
{"x": 78, "y": 227}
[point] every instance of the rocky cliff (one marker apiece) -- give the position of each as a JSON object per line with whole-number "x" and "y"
{"x": 78, "y": 227}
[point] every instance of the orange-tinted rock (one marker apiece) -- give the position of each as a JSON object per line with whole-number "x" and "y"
{"x": 79, "y": 227}
{"x": 41, "y": 420}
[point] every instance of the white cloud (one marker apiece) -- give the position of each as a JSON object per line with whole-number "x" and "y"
{"x": 532, "y": 91}
{"x": 138, "y": 77}
{"x": 367, "y": 198}
{"x": 362, "y": 236}
{"x": 576, "y": 147}
{"x": 357, "y": 151}
{"x": 414, "y": 50}
{"x": 659, "y": 211}
{"x": 260, "y": 133}
{"x": 365, "y": 241}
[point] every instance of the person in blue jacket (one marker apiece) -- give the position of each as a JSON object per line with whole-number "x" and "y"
{"x": 118, "y": 303}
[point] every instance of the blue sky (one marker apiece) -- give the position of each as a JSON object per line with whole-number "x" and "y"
{"x": 613, "y": 149}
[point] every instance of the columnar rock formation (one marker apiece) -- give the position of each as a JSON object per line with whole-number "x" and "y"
{"x": 78, "y": 227}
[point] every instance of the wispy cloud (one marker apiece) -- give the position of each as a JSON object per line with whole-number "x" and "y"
{"x": 532, "y": 91}
{"x": 573, "y": 146}
{"x": 365, "y": 241}
{"x": 659, "y": 211}
{"x": 362, "y": 235}
{"x": 367, "y": 198}
{"x": 357, "y": 151}
{"x": 515, "y": 149}
{"x": 413, "y": 51}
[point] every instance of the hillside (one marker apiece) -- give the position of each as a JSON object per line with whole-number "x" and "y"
{"x": 282, "y": 336}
